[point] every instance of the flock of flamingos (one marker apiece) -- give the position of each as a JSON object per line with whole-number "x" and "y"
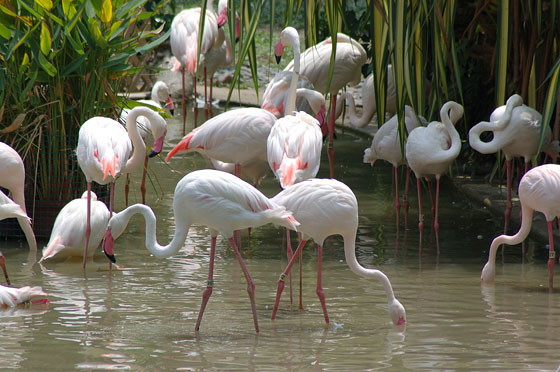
{"x": 286, "y": 136}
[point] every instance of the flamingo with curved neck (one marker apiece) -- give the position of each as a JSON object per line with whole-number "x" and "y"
{"x": 104, "y": 148}
{"x": 219, "y": 200}
{"x": 325, "y": 207}
{"x": 430, "y": 151}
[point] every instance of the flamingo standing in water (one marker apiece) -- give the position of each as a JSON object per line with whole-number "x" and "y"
{"x": 12, "y": 177}
{"x": 160, "y": 93}
{"x": 325, "y": 207}
{"x": 184, "y": 41}
{"x": 104, "y": 148}
{"x": 368, "y": 101}
{"x": 517, "y": 131}
{"x": 538, "y": 191}
{"x": 386, "y": 145}
{"x": 315, "y": 62}
{"x": 68, "y": 233}
{"x": 430, "y": 151}
{"x": 220, "y": 201}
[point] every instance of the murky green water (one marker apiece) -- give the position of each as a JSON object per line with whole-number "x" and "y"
{"x": 142, "y": 317}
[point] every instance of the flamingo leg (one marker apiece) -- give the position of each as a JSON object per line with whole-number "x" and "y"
{"x": 184, "y": 108}
{"x": 551, "y": 256}
{"x": 319, "y": 291}
{"x": 330, "y": 148}
{"x": 208, "y": 291}
{"x": 88, "y": 225}
{"x": 195, "y": 104}
{"x": 507, "y": 212}
{"x": 237, "y": 233}
{"x": 3, "y": 266}
{"x": 143, "y": 184}
{"x": 250, "y": 283}
{"x": 431, "y": 191}
{"x": 290, "y": 254}
{"x": 396, "y": 190}
{"x": 282, "y": 279}
{"x": 420, "y": 215}
{"x": 405, "y": 197}
{"x": 300, "y": 281}
{"x": 436, "y": 218}
{"x": 205, "y": 97}
{"x": 211, "y": 85}
{"x": 126, "y": 190}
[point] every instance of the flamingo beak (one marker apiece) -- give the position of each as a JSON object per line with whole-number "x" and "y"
{"x": 157, "y": 147}
{"x": 278, "y": 50}
{"x": 237, "y": 30}
{"x": 109, "y": 246}
{"x": 170, "y": 104}
{"x": 222, "y": 18}
{"x": 3, "y": 265}
{"x": 401, "y": 321}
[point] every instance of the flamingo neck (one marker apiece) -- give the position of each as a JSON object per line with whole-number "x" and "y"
{"x": 291, "y": 101}
{"x": 138, "y": 144}
{"x": 352, "y": 261}
{"x": 120, "y": 221}
{"x": 524, "y": 230}
{"x": 355, "y": 120}
{"x": 455, "y": 147}
{"x": 229, "y": 52}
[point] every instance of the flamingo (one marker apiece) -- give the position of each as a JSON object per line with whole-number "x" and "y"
{"x": 220, "y": 201}
{"x": 386, "y": 145}
{"x": 538, "y": 191}
{"x": 12, "y": 177}
{"x": 104, "y": 148}
{"x": 160, "y": 93}
{"x": 10, "y": 209}
{"x": 12, "y": 297}
{"x": 184, "y": 40}
{"x": 324, "y": 207}
{"x": 315, "y": 63}
{"x": 431, "y": 150}
{"x": 368, "y": 100}
{"x": 68, "y": 233}
{"x": 517, "y": 131}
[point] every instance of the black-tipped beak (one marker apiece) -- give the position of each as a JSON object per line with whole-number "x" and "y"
{"x": 278, "y": 58}
{"x": 111, "y": 257}
{"x": 153, "y": 153}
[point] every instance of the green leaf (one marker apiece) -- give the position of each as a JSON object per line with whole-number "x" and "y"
{"x": 46, "y": 65}
{"x": 5, "y": 32}
{"x": 71, "y": 67}
{"x": 151, "y": 45}
{"x": 45, "y": 4}
{"x": 46, "y": 41}
{"x": 96, "y": 33}
{"x": 106, "y": 11}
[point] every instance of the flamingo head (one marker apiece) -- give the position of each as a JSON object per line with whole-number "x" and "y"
{"x": 109, "y": 246}
{"x": 488, "y": 273}
{"x": 370, "y": 156}
{"x": 278, "y": 50}
{"x": 289, "y": 36}
{"x": 170, "y": 105}
{"x": 397, "y": 313}
{"x": 222, "y": 13}
{"x": 158, "y": 146}
{"x": 159, "y": 130}
{"x": 322, "y": 119}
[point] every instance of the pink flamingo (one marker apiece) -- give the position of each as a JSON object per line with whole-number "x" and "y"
{"x": 104, "y": 148}
{"x": 315, "y": 62}
{"x": 325, "y": 207}
{"x": 386, "y": 145}
{"x": 220, "y": 201}
{"x": 184, "y": 40}
{"x": 160, "y": 93}
{"x": 517, "y": 131}
{"x": 538, "y": 191}
{"x": 68, "y": 233}
{"x": 12, "y": 177}
{"x": 430, "y": 151}
{"x": 368, "y": 101}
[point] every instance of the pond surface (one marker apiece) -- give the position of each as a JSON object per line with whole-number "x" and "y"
{"x": 142, "y": 317}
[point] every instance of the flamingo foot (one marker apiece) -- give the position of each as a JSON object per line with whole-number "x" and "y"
{"x": 205, "y": 297}
{"x": 321, "y": 295}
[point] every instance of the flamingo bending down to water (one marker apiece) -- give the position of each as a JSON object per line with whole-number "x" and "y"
{"x": 538, "y": 191}
{"x": 104, "y": 148}
{"x": 315, "y": 63}
{"x": 68, "y": 233}
{"x": 12, "y": 177}
{"x": 220, "y": 201}
{"x": 517, "y": 131}
{"x": 325, "y": 207}
{"x": 368, "y": 100}
{"x": 160, "y": 93}
{"x": 184, "y": 40}
{"x": 431, "y": 150}
{"x": 386, "y": 145}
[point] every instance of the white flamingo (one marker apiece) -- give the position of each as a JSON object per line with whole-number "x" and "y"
{"x": 325, "y": 207}
{"x": 220, "y": 201}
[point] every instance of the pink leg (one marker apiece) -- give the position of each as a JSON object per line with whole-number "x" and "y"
{"x": 143, "y": 185}
{"x": 431, "y": 191}
{"x": 436, "y": 218}
{"x": 88, "y": 225}
{"x": 300, "y": 281}
{"x": 211, "y": 85}
{"x": 250, "y": 283}
{"x": 3, "y": 266}
{"x": 420, "y": 215}
{"x": 184, "y": 99}
{"x": 396, "y": 191}
{"x": 406, "y": 202}
{"x": 126, "y": 190}
{"x": 289, "y": 254}
{"x": 208, "y": 291}
{"x": 330, "y": 148}
{"x": 320, "y": 292}
{"x": 237, "y": 233}
{"x": 195, "y": 105}
{"x": 205, "y": 97}
{"x": 551, "y": 256}
{"x": 283, "y": 277}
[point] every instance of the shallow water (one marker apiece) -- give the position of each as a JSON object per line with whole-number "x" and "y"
{"x": 142, "y": 316}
